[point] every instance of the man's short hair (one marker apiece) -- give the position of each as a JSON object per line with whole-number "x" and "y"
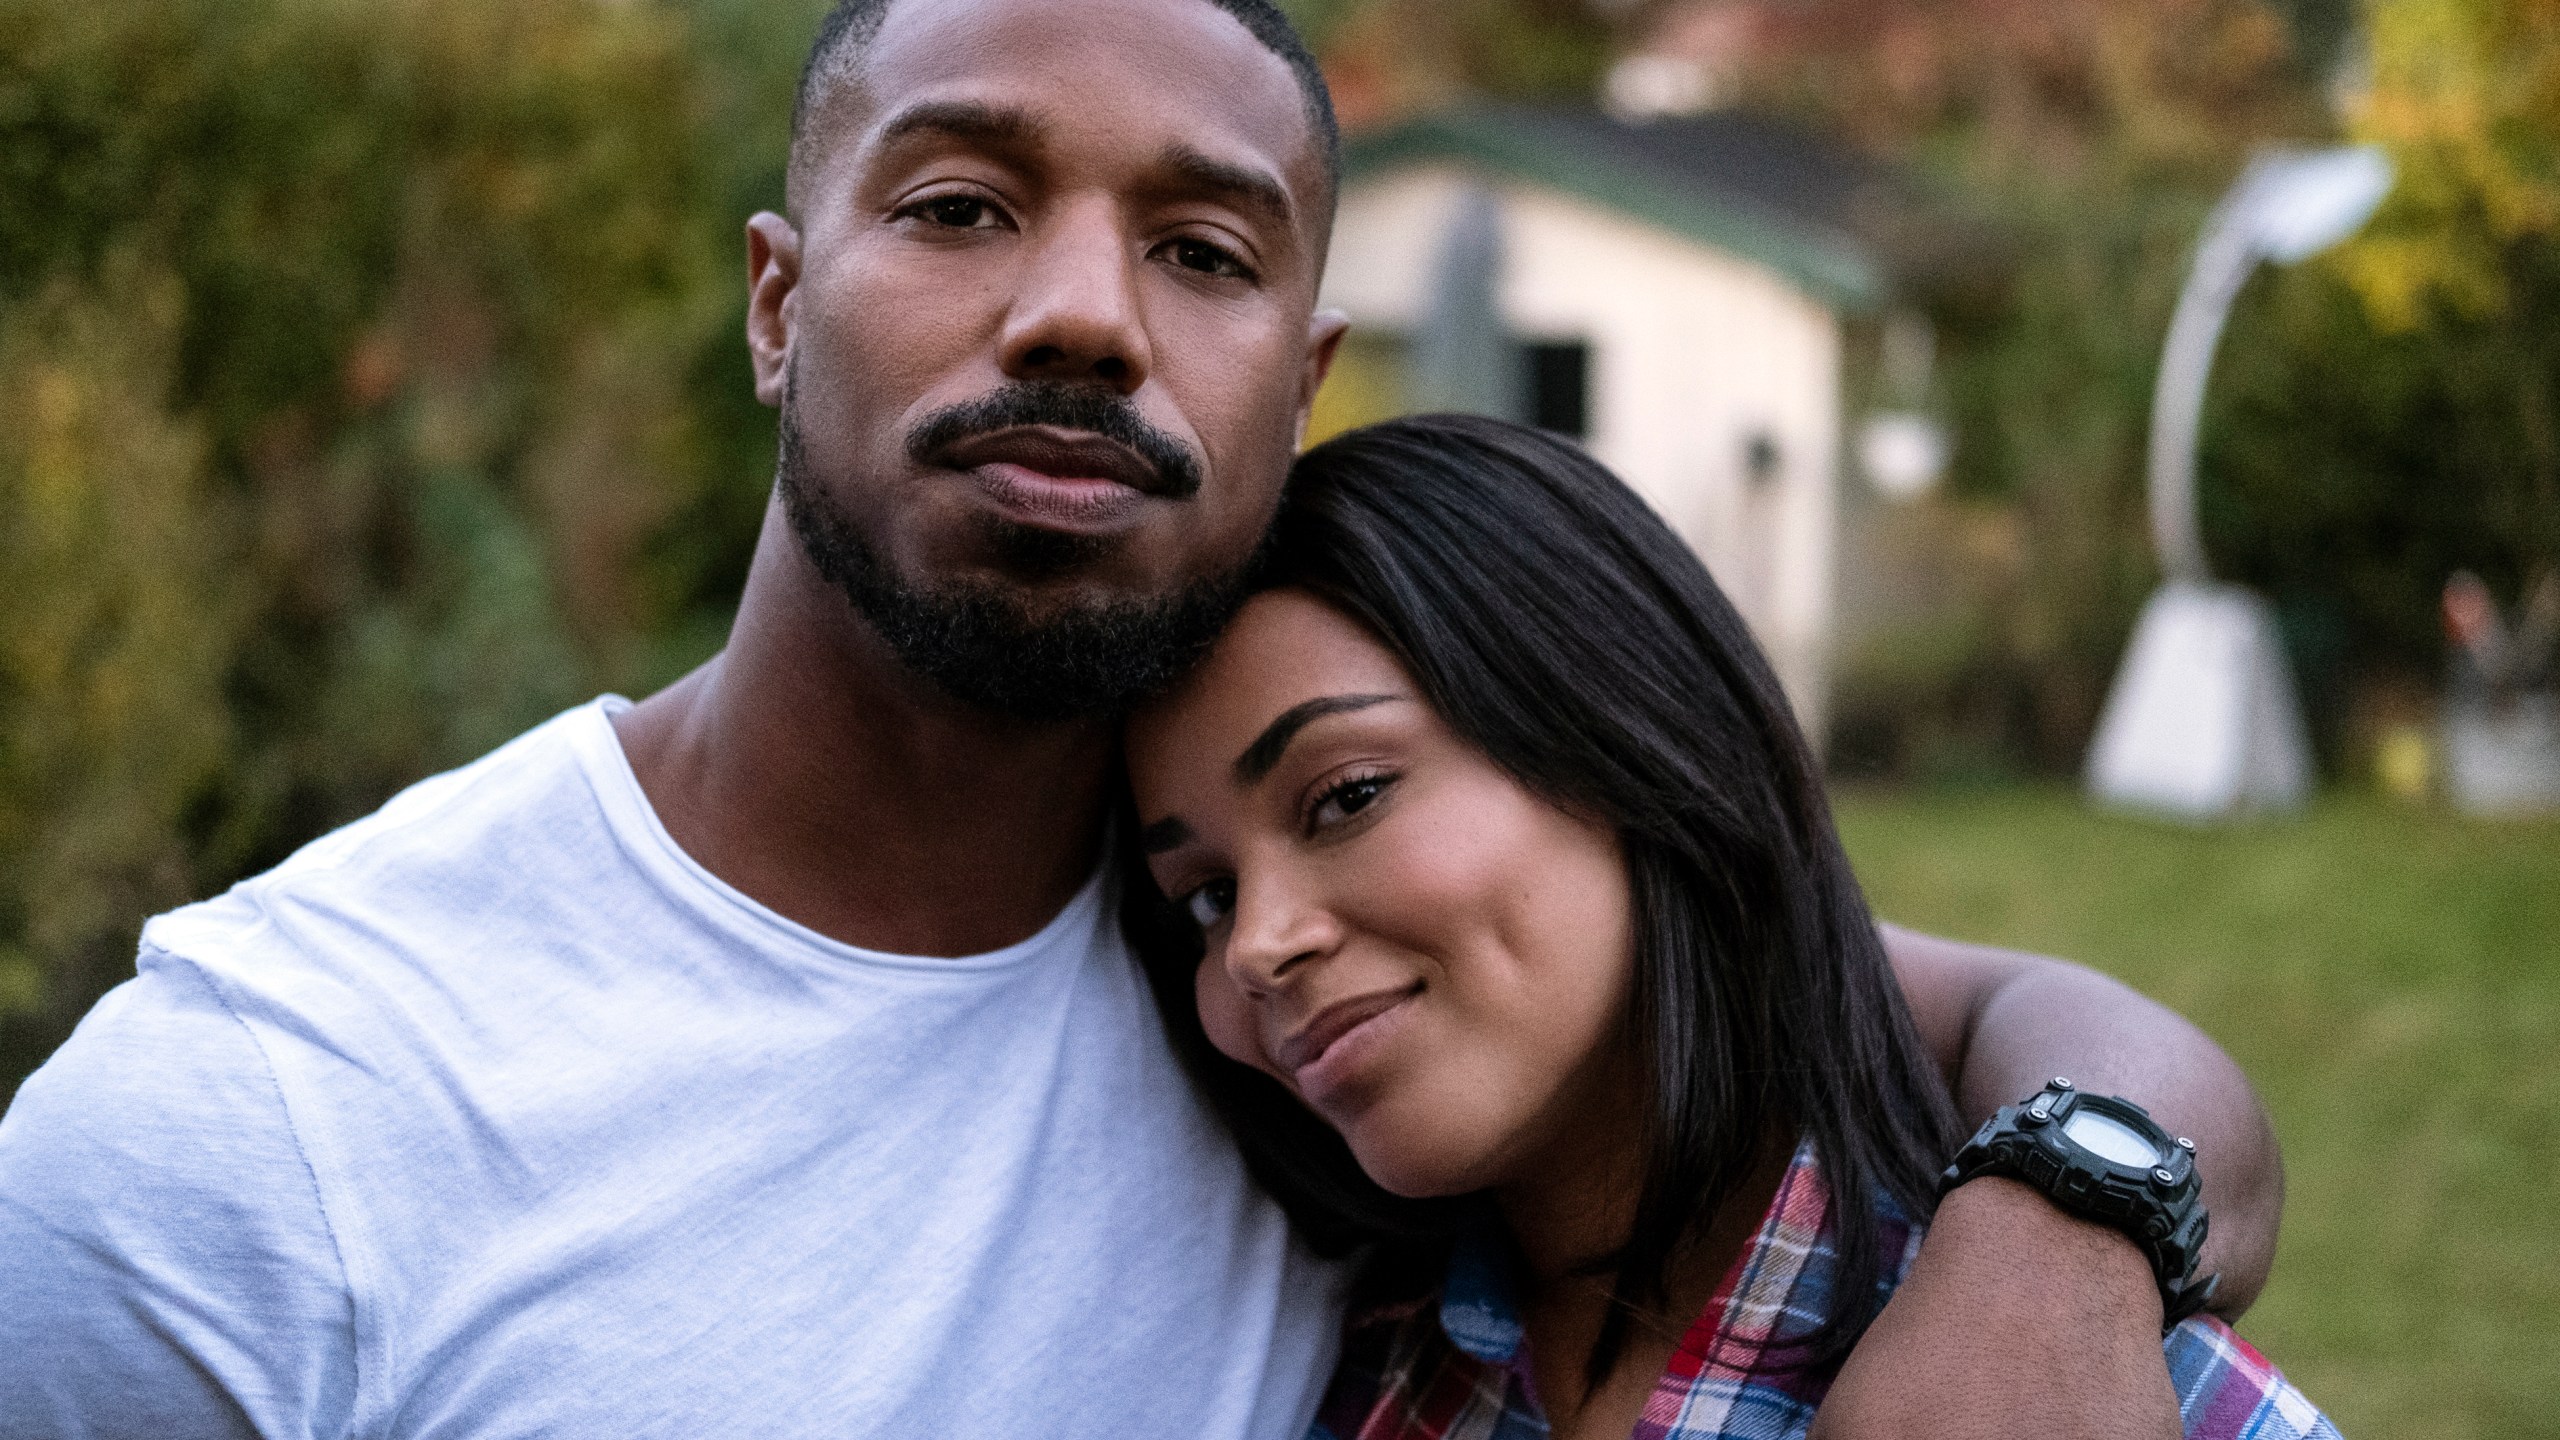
{"x": 851, "y": 24}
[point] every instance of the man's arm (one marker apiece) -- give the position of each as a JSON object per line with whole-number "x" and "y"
{"x": 2017, "y": 1319}
{"x": 2002, "y": 1023}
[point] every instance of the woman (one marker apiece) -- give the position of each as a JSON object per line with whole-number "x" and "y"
{"x": 1503, "y": 882}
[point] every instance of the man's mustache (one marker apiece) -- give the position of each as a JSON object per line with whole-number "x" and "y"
{"x": 1065, "y": 407}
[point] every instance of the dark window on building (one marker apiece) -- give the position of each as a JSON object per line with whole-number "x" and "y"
{"x": 1560, "y": 387}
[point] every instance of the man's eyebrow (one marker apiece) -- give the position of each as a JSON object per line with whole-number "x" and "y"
{"x": 1267, "y": 748}
{"x": 1226, "y": 180}
{"x": 1164, "y": 835}
{"x": 964, "y": 120}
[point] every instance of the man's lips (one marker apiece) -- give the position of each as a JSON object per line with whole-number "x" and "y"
{"x": 1058, "y": 479}
{"x": 1308, "y": 1043}
{"x": 1055, "y": 454}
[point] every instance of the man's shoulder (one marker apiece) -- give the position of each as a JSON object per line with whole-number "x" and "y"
{"x": 433, "y": 853}
{"x": 162, "y": 1242}
{"x": 2228, "y": 1391}
{"x": 161, "y": 1087}
{"x": 210, "y": 1156}
{"x": 436, "y": 936}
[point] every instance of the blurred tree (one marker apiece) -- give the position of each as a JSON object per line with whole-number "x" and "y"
{"x": 2091, "y": 136}
{"x": 360, "y": 349}
{"x": 2466, "y": 95}
{"x": 2391, "y": 414}
{"x": 121, "y": 618}
{"x": 2378, "y": 418}
{"x": 1386, "y": 58}
{"x": 375, "y": 385}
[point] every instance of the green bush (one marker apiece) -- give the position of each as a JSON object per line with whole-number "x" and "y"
{"x": 373, "y": 383}
{"x": 371, "y": 366}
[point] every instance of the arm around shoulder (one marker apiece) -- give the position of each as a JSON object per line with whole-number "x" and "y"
{"x": 2004, "y": 1272}
{"x": 168, "y": 1267}
{"x": 2002, "y": 1023}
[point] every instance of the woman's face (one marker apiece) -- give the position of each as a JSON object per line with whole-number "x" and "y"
{"x": 1429, "y": 956}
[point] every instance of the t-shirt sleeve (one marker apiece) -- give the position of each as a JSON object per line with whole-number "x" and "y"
{"x": 167, "y": 1266}
{"x": 2228, "y": 1391}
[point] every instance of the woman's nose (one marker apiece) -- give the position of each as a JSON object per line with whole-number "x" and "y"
{"x": 1278, "y": 926}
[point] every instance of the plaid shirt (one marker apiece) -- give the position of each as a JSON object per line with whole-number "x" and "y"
{"x": 1459, "y": 1370}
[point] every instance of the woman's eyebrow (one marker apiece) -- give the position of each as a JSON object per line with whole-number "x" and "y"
{"x": 1166, "y": 834}
{"x": 1273, "y": 742}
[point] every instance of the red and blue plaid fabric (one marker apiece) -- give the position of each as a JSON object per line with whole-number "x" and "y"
{"x": 1455, "y": 1367}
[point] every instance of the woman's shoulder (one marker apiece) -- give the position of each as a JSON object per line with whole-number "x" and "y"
{"x": 2228, "y": 1391}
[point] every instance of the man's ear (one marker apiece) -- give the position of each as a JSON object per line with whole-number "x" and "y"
{"x": 773, "y": 278}
{"x": 1325, "y": 330}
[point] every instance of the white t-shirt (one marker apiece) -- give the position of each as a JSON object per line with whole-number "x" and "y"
{"x": 495, "y": 1115}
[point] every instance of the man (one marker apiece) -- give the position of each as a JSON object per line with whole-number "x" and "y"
{"x": 764, "y": 1059}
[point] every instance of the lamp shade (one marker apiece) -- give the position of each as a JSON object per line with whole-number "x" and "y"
{"x": 2299, "y": 203}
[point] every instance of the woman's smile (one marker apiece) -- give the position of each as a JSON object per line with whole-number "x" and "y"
{"x": 1327, "y": 1057}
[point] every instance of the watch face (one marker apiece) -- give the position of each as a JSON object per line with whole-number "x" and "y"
{"x": 2110, "y": 1139}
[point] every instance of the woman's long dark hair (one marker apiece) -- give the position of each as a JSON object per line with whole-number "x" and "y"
{"x": 1559, "y": 626}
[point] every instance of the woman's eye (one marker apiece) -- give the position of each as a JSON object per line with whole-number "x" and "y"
{"x": 1211, "y": 903}
{"x": 960, "y": 212}
{"x": 1207, "y": 259}
{"x": 1347, "y": 799}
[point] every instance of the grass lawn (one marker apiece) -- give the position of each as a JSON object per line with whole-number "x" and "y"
{"x": 2391, "y": 980}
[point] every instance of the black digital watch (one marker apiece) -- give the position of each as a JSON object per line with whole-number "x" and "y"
{"x": 2103, "y": 1159}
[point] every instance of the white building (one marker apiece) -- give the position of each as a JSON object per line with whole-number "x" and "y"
{"x": 1677, "y": 287}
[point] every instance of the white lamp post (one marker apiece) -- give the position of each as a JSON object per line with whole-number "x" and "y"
{"x": 2202, "y": 721}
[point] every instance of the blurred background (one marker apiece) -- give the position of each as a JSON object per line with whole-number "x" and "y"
{"x": 371, "y": 388}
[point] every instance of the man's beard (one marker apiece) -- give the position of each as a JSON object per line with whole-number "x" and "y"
{"x": 978, "y": 639}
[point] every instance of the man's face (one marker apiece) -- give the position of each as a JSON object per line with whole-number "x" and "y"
{"x": 1044, "y": 334}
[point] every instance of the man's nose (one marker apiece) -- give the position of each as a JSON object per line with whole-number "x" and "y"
{"x": 1278, "y": 927}
{"x": 1076, "y": 315}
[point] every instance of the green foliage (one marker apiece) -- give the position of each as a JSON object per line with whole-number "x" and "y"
{"x": 112, "y": 716}
{"x": 382, "y": 395}
{"x": 374, "y": 368}
{"x": 1387, "y": 57}
{"x": 2377, "y": 419}
{"x": 2049, "y": 393}
{"x": 1319, "y": 21}
{"x": 2090, "y": 137}
{"x": 2349, "y": 468}
{"x": 2466, "y": 94}
{"x": 374, "y": 384}
{"x": 2392, "y": 414}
